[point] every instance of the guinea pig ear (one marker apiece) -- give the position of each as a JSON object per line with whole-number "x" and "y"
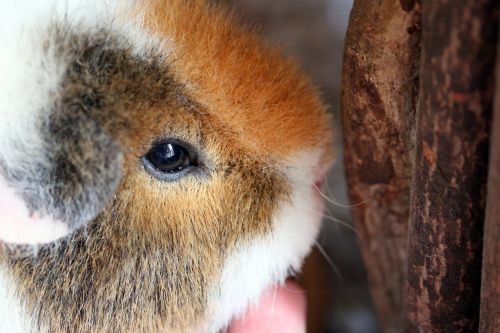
{"x": 19, "y": 226}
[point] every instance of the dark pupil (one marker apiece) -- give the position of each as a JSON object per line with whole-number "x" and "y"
{"x": 168, "y": 157}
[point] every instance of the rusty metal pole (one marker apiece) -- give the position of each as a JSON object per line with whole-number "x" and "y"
{"x": 379, "y": 86}
{"x": 449, "y": 181}
{"x": 490, "y": 281}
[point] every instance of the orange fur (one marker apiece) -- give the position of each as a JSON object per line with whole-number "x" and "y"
{"x": 251, "y": 87}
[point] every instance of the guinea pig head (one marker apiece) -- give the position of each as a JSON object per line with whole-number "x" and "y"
{"x": 189, "y": 150}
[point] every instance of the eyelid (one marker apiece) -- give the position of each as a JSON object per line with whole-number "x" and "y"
{"x": 165, "y": 176}
{"x": 198, "y": 168}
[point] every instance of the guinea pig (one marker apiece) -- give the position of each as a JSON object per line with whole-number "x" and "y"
{"x": 159, "y": 166}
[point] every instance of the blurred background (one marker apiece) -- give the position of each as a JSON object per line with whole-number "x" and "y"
{"x": 313, "y": 32}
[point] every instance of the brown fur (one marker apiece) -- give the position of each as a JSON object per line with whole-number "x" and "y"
{"x": 147, "y": 262}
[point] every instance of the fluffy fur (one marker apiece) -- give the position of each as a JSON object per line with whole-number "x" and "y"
{"x": 184, "y": 256}
{"x": 38, "y": 50}
{"x": 32, "y": 66}
{"x": 256, "y": 264}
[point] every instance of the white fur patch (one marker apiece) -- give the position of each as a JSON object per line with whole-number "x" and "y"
{"x": 264, "y": 262}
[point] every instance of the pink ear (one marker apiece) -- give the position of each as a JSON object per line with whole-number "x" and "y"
{"x": 281, "y": 309}
{"x": 19, "y": 226}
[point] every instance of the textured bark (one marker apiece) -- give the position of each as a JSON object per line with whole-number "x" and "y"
{"x": 449, "y": 182}
{"x": 490, "y": 285}
{"x": 378, "y": 102}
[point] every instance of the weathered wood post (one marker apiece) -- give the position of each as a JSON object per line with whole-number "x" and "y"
{"x": 378, "y": 102}
{"x": 449, "y": 181}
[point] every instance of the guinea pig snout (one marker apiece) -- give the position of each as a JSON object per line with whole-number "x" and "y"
{"x": 64, "y": 184}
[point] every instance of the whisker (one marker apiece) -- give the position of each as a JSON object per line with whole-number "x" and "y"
{"x": 271, "y": 309}
{"x": 296, "y": 291}
{"x": 329, "y": 260}
{"x": 338, "y": 203}
{"x": 344, "y": 224}
{"x": 327, "y": 184}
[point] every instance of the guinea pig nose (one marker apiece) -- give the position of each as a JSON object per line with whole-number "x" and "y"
{"x": 19, "y": 226}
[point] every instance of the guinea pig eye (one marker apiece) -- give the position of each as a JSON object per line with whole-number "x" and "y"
{"x": 169, "y": 160}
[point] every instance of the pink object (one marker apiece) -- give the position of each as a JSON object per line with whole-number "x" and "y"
{"x": 19, "y": 226}
{"x": 281, "y": 309}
